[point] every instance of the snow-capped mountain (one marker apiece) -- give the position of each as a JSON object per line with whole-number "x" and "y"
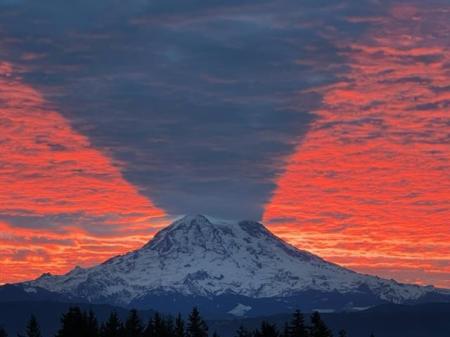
{"x": 227, "y": 266}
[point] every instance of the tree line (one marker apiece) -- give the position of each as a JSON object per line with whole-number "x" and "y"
{"x": 78, "y": 323}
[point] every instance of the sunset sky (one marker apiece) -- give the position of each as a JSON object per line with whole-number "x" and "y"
{"x": 327, "y": 120}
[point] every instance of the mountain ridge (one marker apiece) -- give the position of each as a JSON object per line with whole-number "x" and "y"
{"x": 228, "y": 265}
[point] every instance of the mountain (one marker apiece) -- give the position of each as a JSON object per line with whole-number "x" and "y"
{"x": 226, "y": 268}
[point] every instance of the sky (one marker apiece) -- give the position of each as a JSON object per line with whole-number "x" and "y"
{"x": 327, "y": 120}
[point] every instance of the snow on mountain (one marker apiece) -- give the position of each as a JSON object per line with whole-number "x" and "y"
{"x": 206, "y": 257}
{"x": 240, "y": 310}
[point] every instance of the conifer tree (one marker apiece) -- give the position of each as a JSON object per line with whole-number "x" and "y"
{"x": 33, "y": 329}
{"x": 243, "y": 332}
{"x": 3, "y": 332}
{"x": 179, "y": 327}
{"x": 298, "y": 327}
{"x": 72, "y": 323}
{"x": 318, "y": 326}
{"x": 169, "y": 330}
{"x": 286, "y": 330}
{"x": 76, "y": 323}
{"x": 149, "y": 329}
{"x": 158, "y": 326}
{"x": 342, "y": 333}
{"x": 196, "y": 325}
{"x": 90, "y": 324}
{"x": 112, "y": 327}
{"x": 161, "y": 327}
{"x": 133, "y": 325}
{"x": 268, "y": 330}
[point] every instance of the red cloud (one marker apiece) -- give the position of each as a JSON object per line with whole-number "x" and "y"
{"x": 369, "y": 186}
{"x": 48, "y": 170}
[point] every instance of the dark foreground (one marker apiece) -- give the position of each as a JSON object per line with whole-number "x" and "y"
{"x": 425, "y": 320}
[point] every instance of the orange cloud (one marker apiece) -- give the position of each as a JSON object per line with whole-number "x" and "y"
{"x": 369, "y": 186}
{"x": 62, "y": 202}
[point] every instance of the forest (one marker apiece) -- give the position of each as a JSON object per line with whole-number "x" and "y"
{"x": 78, "y": 323}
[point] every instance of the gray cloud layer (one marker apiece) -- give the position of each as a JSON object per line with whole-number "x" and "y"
{"x": 199, "y": 101}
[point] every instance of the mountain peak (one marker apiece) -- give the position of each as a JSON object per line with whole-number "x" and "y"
{"x": 201, "y": 218}
{"x": 190, "y": 221}
{"x": 199, "y": 256}
{"x": 205, "y": 231}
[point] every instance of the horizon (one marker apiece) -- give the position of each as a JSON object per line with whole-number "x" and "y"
{"x": 177, "y": 219}
{"x": 327, "y": 121}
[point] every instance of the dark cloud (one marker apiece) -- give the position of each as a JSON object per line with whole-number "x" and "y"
{"x": 198, "y": 102}
{"x": 25, "y": 254}
{"x": 63, "y": 224}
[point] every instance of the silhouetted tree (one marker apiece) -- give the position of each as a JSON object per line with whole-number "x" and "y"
{"x": 243, "y": 332}
{"x": 342, "y": 333}
{"x": 318, "y": 326}
{"x": 33, "y": 329}
{"x": 133, "y": 325}
{"x": 169, "y": 329}
{"x": 179, "y": 327}
{"x": 76, "y": 323}
{"x": 196, "y": 325}
{"x": 286, "y": 330}
{"x": 3, "y": 332}
{"x": 149, "y": 329}
{"x": 372, "y": 335}
{"x": 158, "y": 326}
{"x": 112, "y": 327}
{"x": 297, "y": 327}
{"x": 267, "y": 330}
{"x": 90, "y": 324}
{"x": 72, "y": 323}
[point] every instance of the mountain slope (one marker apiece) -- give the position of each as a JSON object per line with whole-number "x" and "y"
{"x": 236, "y": 267}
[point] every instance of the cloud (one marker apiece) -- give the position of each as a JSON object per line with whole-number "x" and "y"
{"x": 378, "y": 153}
{"x": 55, "y": 187}
{"x": 197, "y": 101}
{"x": 188, "y": 106}
{"x": 183, "y": 106}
